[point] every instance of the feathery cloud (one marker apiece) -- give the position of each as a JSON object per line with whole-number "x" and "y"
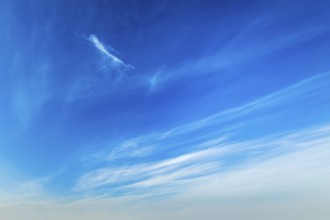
{"x": 269, "y": 161}
{"x": 115, "y": 61}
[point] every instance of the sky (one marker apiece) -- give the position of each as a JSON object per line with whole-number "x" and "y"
{"x": 141, "y": 109}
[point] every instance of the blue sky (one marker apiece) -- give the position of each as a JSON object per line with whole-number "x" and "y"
{"x": 161, "y": 105}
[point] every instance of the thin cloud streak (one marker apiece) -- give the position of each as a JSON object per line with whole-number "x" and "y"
{"x": 305, "y": 169}
{"x": 305, "y": 89}
{"x": 215, "y": 150}
{"x": 137, "y": 172}
{"x": 220, "y": 125}
{"x": 232, "y": 55}
{"x": 185, "y": 171}
{"x": 100, "y": 46}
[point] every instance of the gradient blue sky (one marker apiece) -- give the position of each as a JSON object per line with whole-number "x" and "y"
{"x": 163, "y": 101}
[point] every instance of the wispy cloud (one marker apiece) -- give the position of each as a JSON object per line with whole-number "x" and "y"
{"x": 303, "y": 169}
{"x": 215, "y": 147}
{"x": 309, "y": 90}
{"x": 115, "y": 61}
{"x": 129, "y": 174}
{"x": 220, "y": 127}
{"x": 102, "y": 48}
{"x": 237, "y": 51}
{"x": 130, "y": 148}
{"x": 284, "y": 161}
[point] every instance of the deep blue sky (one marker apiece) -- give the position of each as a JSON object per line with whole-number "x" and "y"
{"x": 118, "y": 98}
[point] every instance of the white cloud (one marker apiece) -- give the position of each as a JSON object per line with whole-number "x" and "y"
{"x": 137, "y": 172}
{"x": 231, "y": 54}
{"x": 305, "y": 91}
{"x": 100, "y": 46}
{"x": 301, "y": 173}
{"x": 221, "y": 124}
{"x": 289, "y": 185}
{"x": 216, "y": 147}
{"x": 267, "y": 157}
{"x": 128, "y": 149}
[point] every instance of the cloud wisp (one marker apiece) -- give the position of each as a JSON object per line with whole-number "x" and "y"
{"x": 183, "y": 161}
{"x": 167, "y": 169}
{"x": 276, "y": 158}
{"x": 219, "y": 127}
{"x": 232, "y": 54}
{"x": 115, "y": 62}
